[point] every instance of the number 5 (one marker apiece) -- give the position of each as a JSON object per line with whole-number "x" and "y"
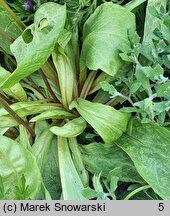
{"x": 161, "y": 207}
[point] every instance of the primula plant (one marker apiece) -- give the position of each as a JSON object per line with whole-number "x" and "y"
{"x": 84, "y": 100}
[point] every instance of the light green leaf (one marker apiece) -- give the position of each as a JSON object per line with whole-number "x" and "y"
{"x": 23, "y": 137}
{"x": 71, "y": 183}
{"x": 28, "y": 108}
{"x": 71, "y": 129}
{"x": 66, "y": 75}
{"x": 152, "y": 22}
{"x": 53, "y": 114}
{"x": 16, "y": 162}
{"x": 41, "y": 147}
{"x": 15, "y": 91}
{"x": 65, "y": 60}
{"x": 105, "y": 32}
{"x": 37, "y": 42}
{"x": 89, "y": 193}
{"x": 103, "y": 158}
{"x": 148, "y": 146}
{"x": 78, "y": 161}
{"x": 7, "y": 122}
{"x": 164, "y": 90}
{"x": 107, "y": 121}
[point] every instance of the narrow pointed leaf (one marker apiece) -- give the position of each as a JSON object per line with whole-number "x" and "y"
{"x": 29, "y": 108}
{"x": 71, "y": 183}
{"x": 53, "y": 114}
{"x": 78, "y": 161}
{"x": 24, "y": 138}
{"x": 107, "y": 121}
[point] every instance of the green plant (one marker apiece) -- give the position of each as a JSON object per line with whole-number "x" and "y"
{"x": 87, "y": 102}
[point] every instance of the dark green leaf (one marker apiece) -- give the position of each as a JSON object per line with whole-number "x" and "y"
{"x": 103, "y": 158}
{"x": 148, "y": 146}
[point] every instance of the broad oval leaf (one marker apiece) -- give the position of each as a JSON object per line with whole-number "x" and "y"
{"x": 37, "y": 42}
{"x": 148, "y": 146}
{"x": 107, "y": 121}
{"x": 71, "y": 129}
{"x": 102, "y": 158}
{"x": 104, "y": 33}
{"x": 16, "y": 162}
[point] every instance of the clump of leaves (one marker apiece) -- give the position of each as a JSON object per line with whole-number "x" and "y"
{"x": 83, "y": 99}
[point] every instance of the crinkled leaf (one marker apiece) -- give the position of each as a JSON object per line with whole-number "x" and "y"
{"x": 148, "y": 146}
{"x": 71, "y": 129}
{"x": 107, "y": 121}
{"x": 104, "y": 33}
{"x": 16, "y": 161}
{"x": 37, "y": 42}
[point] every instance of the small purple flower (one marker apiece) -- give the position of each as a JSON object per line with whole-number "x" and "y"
{"x": 28, "y": 5}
